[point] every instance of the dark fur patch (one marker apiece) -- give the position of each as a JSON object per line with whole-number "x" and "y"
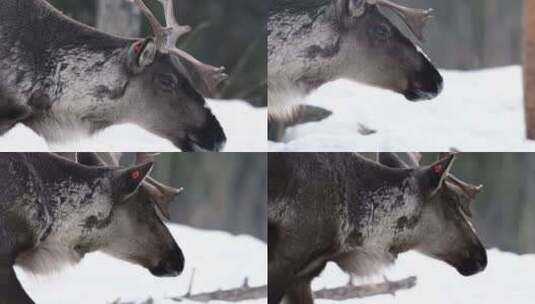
{"x": 406, "y": 223}
{"x": 329, "y": 51}
{"x": 309, "y": 84}
{"x": 355, "y": 239}
{"x": 93, "y": 222}
{"x": 40, "y": 100}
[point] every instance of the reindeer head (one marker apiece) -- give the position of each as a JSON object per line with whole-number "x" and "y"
{"x": 136, "y": 232}
{"x": 163, "y": 95}
{"x": 385, "y": 57}
{"x": 443, "y": 228}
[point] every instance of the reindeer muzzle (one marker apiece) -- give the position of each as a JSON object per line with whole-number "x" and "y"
{"x": 170, "y": 266}
{"x": 474, "y": 263}
{"x": 426, "y": 84}
{"x": 209, "y": 138}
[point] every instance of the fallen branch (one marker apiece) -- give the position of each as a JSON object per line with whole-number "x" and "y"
{"x": 230, "y": 295}
{"x": 118, "y": 301}
{"x": 351, "y": 291}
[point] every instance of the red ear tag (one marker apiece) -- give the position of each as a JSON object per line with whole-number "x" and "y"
{"x": 136, "y": 174}
{"x": 137, "y": 47}
{"x": 438, "y": 169}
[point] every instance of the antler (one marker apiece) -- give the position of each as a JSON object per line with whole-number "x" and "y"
{"x": 415, "y": 158}
{"x": 415, "y": 19}
{"x": 161, "y": 194}
{"x": 470, "y": 190}
{"x": 167, "y": 37}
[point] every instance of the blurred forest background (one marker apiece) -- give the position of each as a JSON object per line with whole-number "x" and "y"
{"x": 472, "y": 34}
{"x": 228, "y": 33}
{"x": 504, "y": 213}
{"x": 222, "y": 191}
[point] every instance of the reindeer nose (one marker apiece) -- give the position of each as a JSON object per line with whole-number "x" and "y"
{"x": 426, "y": 84}
{"x": 170, "y": 266}
{"x": 475, "y": 263}
{"x": 481, "y": 257}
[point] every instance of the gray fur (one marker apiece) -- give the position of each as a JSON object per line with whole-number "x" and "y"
{"x": 65, "y": 80}
{"x": 54, "y": 211}
{"x": 361, "y": 215}
{"x": 311, "y": 42}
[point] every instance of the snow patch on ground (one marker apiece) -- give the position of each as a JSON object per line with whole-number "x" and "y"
{"x": 477, "y": 111}
{"x": 220, "y": 260}
{"x": 244, "y": 125}
{"x": 507, "y": 279}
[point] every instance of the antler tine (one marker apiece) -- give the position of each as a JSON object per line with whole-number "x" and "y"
{"x": 175, "y": 29}
{"x": 145, "y": 157}
{"x": 211, "y": 76}
{"x": 166, "y": 39}
{"x": 159, "y": 31}
{"x": 164, "y": 188}
{"x": 161, "y": 194}
{"x": 415, "y": 158}
{"x": 415, "y": 19}
{"x": 469, "y": 189}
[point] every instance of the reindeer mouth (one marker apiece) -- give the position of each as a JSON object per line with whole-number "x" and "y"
{"x": 162, "y": 272}
{"x": 426, "y": 84}
{"x": 424, "y": 90}
{"x": 471, "y": 268}
{"x": 191, "y": 144}
{"x": 171, "y": 266}
{"x": 475, "y": 263}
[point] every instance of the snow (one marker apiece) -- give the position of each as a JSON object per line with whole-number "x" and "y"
{"x": 507, "y": 279}
{"x": 244, "y": 125}
{"x": 220, "y": 260}
{"x": 477, "y": 111}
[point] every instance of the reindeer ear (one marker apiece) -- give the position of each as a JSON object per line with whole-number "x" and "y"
{"x": 350, "y": 8}
{"x": 392, "y": 160}
{"x": 126, "y": 181}
{"x": 140, "y": 54}
{"x": 431, "y": 178}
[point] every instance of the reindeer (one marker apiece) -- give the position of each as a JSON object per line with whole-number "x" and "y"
{"x": 53, "y": 211}
{"x": 311, "y": 42}
{"x": 361, "y": 215}
{"x": 64, "y": 79}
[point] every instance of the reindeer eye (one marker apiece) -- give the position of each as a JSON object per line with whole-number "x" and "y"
{"x": 167, "y": 82}
{"x": 381, "y": 32}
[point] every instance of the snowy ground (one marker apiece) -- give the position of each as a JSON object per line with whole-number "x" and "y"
{"x": 507, "y": 279}
{"x": 220, "y": 260}
{"x": 244, "y": 126}
{"x": 477, "y": 111}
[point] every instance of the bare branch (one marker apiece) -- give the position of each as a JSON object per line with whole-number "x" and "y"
{"x": 239, "y": 294}
{"x": 351, "y": 291}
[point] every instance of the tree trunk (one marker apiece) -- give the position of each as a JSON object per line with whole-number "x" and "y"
{"x": 118, "y": 17}
{"x": 529, "y": 66}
